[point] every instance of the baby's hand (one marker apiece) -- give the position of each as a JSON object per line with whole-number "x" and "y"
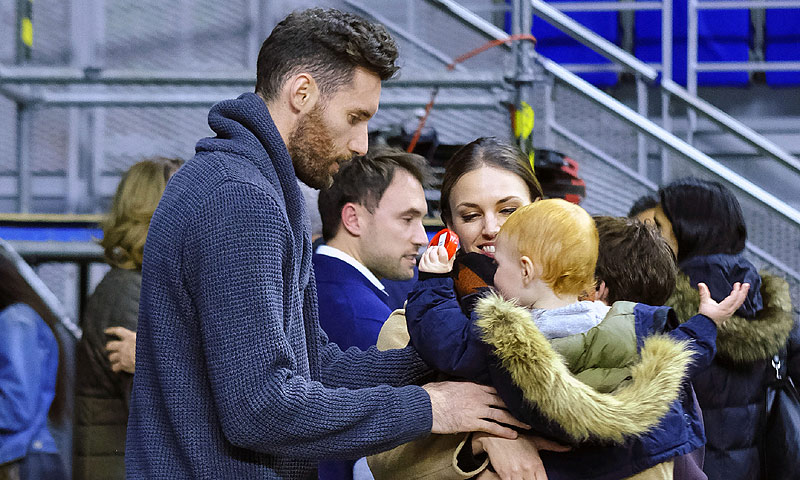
{"x": 435, "y": 260}
{"x": 722, "y": 311}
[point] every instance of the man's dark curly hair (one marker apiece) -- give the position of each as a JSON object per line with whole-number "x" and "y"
{"x": 329, "y": 45}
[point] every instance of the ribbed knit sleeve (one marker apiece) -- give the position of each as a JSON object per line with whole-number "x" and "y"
{"x": 241, "y": 272}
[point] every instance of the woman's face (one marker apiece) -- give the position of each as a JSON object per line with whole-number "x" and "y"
{"x": 664, "y": 226}
{"x": 480, "y": 202}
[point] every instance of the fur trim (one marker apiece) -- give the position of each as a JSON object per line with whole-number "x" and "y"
{"x": 744, "y": 340}
{"x": 582, "y": 412}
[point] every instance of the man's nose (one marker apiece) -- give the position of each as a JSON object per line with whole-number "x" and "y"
{"x": 420, "y": 236}
{"x": 360, "y": 142}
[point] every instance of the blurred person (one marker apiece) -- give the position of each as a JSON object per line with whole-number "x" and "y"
{"x": 703, "y": 222}
{"x": 32, "y": 387}
{"x": 546, "y": 257}
{"x": 234, "y": 377}
{"x": 104, "y": 368}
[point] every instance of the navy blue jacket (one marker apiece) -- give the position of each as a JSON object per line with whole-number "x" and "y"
{"x": 450, "y": 342}
{"x": 351, "y": 309}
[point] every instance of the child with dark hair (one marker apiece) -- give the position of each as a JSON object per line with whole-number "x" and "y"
{"x": 634, "y": 263}
{"x": 599, "y": 378}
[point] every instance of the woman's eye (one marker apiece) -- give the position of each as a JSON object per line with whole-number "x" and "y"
{"x": 508, "y": 210}
{"x": 469, "y": 218}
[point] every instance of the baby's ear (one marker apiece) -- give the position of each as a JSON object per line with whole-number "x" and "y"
{"x": 527, "y": 268}
{"x": 601, "y": 293}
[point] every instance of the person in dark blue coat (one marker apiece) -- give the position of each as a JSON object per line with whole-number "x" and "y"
{"x": 704, "y": 223}
{"x": 372, "y": 226}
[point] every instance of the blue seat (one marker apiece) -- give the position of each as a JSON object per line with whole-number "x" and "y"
{"x": 723, "y": 35}
{"x": 782, "y": 43}
{"x": 561, "y": 48}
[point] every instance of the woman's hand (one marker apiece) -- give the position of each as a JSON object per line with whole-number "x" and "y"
{"x": 122, "y": 352}
{"x": 435, "y": 260}
{"x": 516, "y": 459}
{"x": 722, "y": 311}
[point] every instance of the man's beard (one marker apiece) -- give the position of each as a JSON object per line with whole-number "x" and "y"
{"x": 312, "y": 149}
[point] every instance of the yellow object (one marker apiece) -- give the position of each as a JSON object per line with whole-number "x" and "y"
{"x": 26, "y": 32}
{"x": 523, "y": 120}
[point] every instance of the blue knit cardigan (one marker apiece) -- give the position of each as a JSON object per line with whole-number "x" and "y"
{"x": 234, "y": 377}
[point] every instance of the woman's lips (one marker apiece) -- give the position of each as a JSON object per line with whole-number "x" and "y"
{"x": 487, "y": 250}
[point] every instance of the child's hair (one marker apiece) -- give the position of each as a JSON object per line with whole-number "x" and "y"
{"x": 561, "y": 240}
{"x": 635, "y": 261}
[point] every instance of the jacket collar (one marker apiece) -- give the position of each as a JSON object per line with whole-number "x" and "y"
{"x": 744, "y": 340}
{"x": 244, "y": 127}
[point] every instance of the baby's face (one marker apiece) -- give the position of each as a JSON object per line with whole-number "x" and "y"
{"x": 508, "y": 279}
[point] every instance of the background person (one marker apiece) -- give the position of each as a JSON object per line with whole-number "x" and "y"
{"x": 372, "y": 226}
{"x": 31, "y": 383}
{"x": 104, "y": 368}
{"x": 703, "y": 222}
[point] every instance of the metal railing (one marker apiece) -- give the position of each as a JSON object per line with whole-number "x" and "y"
{"x": 642, "y": 71}
{"x": 694, "y": 65}
{"x": 758, "y": 202}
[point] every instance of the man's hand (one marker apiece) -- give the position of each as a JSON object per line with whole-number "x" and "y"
{"x": 515, "y": 459}
{"x": 122, "y": 352}
{"x": 469, "y": 407}
{"x": 435, "y": 260}
{"x": 722, "y": 311}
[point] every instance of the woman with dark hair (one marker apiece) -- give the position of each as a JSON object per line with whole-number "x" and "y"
{"x": 104, "y": 380}
{"x": 484, "y": 183}
{"x": 703, "y": 223}
{"x": 32, "y": 388}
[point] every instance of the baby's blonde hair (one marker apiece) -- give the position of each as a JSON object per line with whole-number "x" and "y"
{"x": 560, "y": 238}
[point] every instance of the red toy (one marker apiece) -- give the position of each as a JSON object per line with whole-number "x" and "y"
{"x": 448, "y": 239}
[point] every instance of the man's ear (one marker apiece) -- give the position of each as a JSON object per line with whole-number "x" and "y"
{"x": 351, "y": 218}
{"x": 303, "y": 93}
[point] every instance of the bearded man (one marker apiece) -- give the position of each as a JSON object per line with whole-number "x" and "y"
{"x": 234, "y": 377}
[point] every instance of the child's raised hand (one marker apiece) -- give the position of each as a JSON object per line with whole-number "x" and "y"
{"x": 722, "y": 311}
{"x": 435, "y": 260}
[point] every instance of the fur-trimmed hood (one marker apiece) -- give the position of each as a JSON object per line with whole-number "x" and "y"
{"x": 743, "y": 340}
{"x": 546, "y": 382}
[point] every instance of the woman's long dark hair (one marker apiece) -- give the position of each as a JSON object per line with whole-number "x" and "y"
{"x": 15, "y": 289}
{"x": 491, "y": 152}
{"x": 706, "y": 217}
